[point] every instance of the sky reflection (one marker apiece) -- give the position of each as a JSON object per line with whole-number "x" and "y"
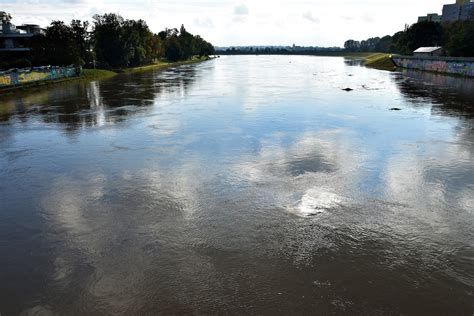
{"x": 228, "y": 183}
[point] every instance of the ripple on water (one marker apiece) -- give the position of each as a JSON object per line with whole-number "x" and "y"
{"x": 316, "y": 201}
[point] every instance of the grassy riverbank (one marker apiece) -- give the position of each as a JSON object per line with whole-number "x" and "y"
{"x": 97, "y": 74}
{"x": 379, "y": 61}
{"x": 100, "y": 74}
{"x": 162, "y": 65}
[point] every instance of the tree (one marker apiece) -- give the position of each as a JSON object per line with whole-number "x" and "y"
{"x": 82, "y": 40}
{"x": 460, "y": 39}
{"x": 384, "y": 45}
{"x": 109, "y": 41}
{"x": 60, "y": 46}
{"x": 352, "y": 46}
{"x": 173, "y": 51}
{"x": 424, "y": 34}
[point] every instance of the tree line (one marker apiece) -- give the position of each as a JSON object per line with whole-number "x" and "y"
{"x": 277, "y": 50}
{"x": 457, "y": 39}
{"x": 111, "y": 41}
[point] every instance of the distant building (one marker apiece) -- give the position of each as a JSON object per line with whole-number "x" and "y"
{"x": 15, "y": 39}
{"x": 431, "y": 17}
{"x": 462, "y": 10}
{"x": 428, "y": 51}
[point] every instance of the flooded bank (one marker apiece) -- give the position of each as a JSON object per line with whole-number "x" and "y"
{"x": 241, "y": 185}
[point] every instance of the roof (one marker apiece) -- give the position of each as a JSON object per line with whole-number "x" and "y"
{"x": 427, "y": 49}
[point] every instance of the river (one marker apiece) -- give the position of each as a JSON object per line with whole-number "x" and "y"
{"x": 241, "y": 185}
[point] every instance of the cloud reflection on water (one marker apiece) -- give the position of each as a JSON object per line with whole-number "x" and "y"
{"x": 191, "y": 199}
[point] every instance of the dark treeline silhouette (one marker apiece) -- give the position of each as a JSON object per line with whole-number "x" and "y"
{"x": 277, "y": 50}
{"x": 110, "y": 41}
{"x": 457, "y": 38}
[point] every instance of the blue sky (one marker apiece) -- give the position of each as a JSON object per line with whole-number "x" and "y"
{"x": 227, "y": 22}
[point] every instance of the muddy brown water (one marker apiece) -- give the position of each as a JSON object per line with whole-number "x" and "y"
{"x": 242, "y": 185}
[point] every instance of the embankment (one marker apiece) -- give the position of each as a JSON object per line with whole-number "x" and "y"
{"x": 379, "y": 61}
{"x": 22, "y": 78}
{"x": 39, "y": 77}
{"x": 446, "y": 65}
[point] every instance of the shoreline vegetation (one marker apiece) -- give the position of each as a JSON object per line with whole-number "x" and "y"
{"x": 381, "y": 61}
{"x": 88, "y": 75}
{"x": 103, "y": 48}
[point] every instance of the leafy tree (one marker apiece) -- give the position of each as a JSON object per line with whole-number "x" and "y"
{"x": 384, "y": 45}
{"x": 109, "y": 41}
{"x": 173, "y": 50}
{"x": 460, "y": 39}
{"x": 352, "y": 46}
{"x": 424, "y": 34}
{"x": 61, "y": 47}
{"x": 82, "y": 40}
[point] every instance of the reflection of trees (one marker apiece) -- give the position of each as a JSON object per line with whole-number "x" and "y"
{"x": 77, "y": 105}
{"x": 449, "y": 95}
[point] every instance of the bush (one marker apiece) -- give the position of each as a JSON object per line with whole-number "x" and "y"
{"x": 21, "y": 63}
{"x": 4, "y": 65}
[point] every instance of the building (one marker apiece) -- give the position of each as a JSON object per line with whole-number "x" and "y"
{"x": 431, "y": 17}
{"x": 428, "y": 51}
{"x": 462, "y": 10}
{"x": 15, "y": 39}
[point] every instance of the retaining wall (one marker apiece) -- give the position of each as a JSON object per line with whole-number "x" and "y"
{"x": 21, "y": 77}
{"x": 447, "y": 65}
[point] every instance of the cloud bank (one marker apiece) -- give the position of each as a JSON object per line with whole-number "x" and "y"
{"x": 225, "y": 22}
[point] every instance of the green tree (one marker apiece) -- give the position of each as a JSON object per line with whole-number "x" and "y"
{"x": 173, "y": 50}
{"x": 424, "y": 34}
{"x": 460, "y": 39}
{"x": 352, "y": 46}
{"x": 82, "y": 39}
{"x": 60, "y": 45}
{"x": 110, "y": 44}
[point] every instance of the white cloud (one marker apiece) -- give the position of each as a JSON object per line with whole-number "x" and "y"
{"x": 226, "y": 22}
{"x": 241, "y": 10}
{"x": 204, "y": 22}
{"x": 309, "y": 16}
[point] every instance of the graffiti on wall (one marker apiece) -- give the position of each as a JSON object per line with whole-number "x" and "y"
{"x": 441, "y": 66}
{"x": 53, "y": 73}
{"x": 5, "y": 80}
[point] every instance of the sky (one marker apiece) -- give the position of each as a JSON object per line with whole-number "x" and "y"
{"x": 244, "y": 22}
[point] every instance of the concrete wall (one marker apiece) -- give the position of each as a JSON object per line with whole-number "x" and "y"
{"x": 455, "y": 66}
{"x": 10, "y": 79}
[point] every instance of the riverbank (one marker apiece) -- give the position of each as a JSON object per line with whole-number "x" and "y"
{"x": 457, "y": 66}
{"x": 99, "y": 74}
{"x": 380, "y": 61}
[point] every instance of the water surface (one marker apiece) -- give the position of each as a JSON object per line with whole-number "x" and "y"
{"x": 242, "y": 185}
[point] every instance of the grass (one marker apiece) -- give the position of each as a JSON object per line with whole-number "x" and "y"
{"x": 379, "y": 61}
{"x": 99, "y": 74}
{"x": 162, "y": 65}
{"x": 96, "y": 74}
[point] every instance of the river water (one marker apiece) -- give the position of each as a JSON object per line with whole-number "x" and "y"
{"x": 242, "y": 185}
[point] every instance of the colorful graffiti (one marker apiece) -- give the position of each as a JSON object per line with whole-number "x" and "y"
{"x": 5, "y": 80}
{"x": 24, "y": 77}
{"x": 456, "y": 67}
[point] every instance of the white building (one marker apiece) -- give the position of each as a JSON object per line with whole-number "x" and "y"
{"x": 428, "y": 51}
